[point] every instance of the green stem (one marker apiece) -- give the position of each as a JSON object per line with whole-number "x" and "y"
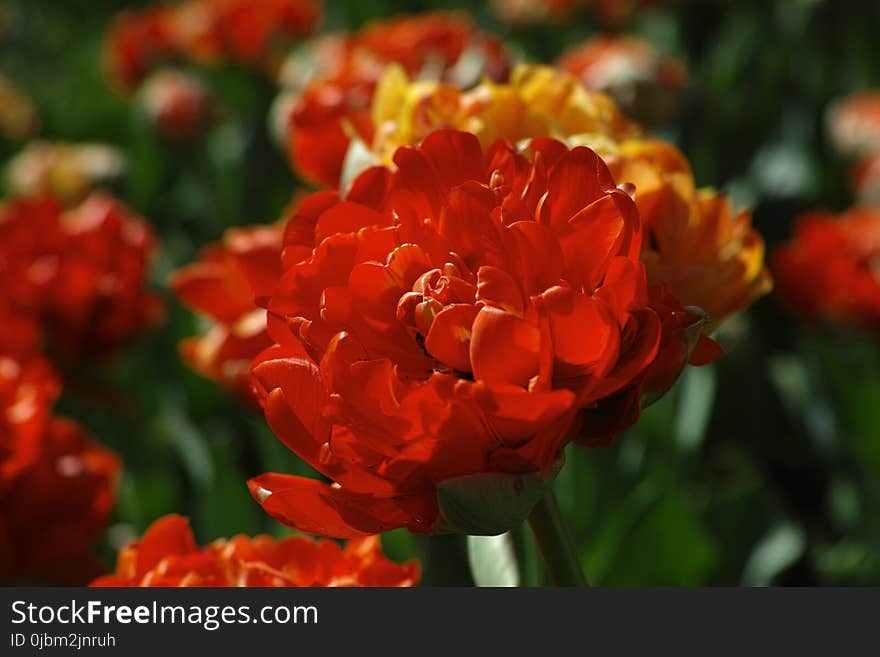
{"x": 555, "y": 543}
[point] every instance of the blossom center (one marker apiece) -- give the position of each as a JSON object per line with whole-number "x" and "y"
{"x": 438, "y": 313}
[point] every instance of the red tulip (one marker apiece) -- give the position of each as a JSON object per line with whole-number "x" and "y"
{"x": 463, "y": 315}
{"x": 830, "y": 271}
{"x": 223, "y": 285}
{"x": 79, "y": 272}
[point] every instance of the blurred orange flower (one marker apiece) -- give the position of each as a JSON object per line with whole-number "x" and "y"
{"x": 167, "y": 555}
{"x": 223, "y": 285}
{"x": 710, "y": 256}
{"x": 334, "y": 106}
{"x": 461, "y": 314}
{"x": 57, "y": 487}
{"x": 830, "y": 270}
{"x": 80, "y": 272}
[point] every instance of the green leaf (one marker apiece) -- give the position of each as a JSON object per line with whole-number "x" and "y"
{"x": 780, "y": 548}
{"x": 493, "y": 560}
{"x": 653, "y": 539}
{"x": 695, "y": 406}
{"x": 189, "y": 442}
{"x": 492, "y": 503}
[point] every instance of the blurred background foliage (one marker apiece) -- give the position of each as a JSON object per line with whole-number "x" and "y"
{"x": 762, "y": 469}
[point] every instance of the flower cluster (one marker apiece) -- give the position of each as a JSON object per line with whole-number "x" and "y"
{"x": 537, "y": 101}
{"x": 709, "y": 256}
{"x": 167, "y": 555}
{"x": 71, "y": 284}
{"x": 830, "y": 271}
{"x": 465, "y": 312}
{"x": 204, "y": 32}
{"x": 502, "y": 262}
{"x": 78, "y": 272}
{"x": 224, "y": 285}
{"x": 331, "y": 87}
{"x": 57, "y": 486}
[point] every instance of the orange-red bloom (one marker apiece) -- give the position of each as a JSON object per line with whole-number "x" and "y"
{"x": 645, "y": 84}
{"x": 57, "y": 487}
{"x": 223, "y": 285}
{"x": 335, "y": 106}
{"x": 167, "y": 555}
{"x": 830, "y": 271}
{"x": 464, "y": 313}
{"x": 80, "y": 272}
{"x": 205, "y": 31}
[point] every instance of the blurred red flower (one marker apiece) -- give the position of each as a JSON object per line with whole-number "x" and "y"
{"x": 80, "y": 272}
{"x": 463, "y": 313}
{"x": 167, "y": 555}
{"x": 57, "y": 487}
{"x": 525, "y": 12}
{"x": 243, "y": 30}
{"x": 28, "y": 389}
{"x": 864, "y": 179}
{"x": 644, "y": 83}
{"x": 178, "y": 105}
{"x": 615, "y": 11}
{"x": 854, "y": 123}
{"x": 205, "y": 31}
{"x": 223, "y": 285}
{"x": 139, "y": 41}
{"x": 335, "y": 105}
{"x": 830, "y": 270}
